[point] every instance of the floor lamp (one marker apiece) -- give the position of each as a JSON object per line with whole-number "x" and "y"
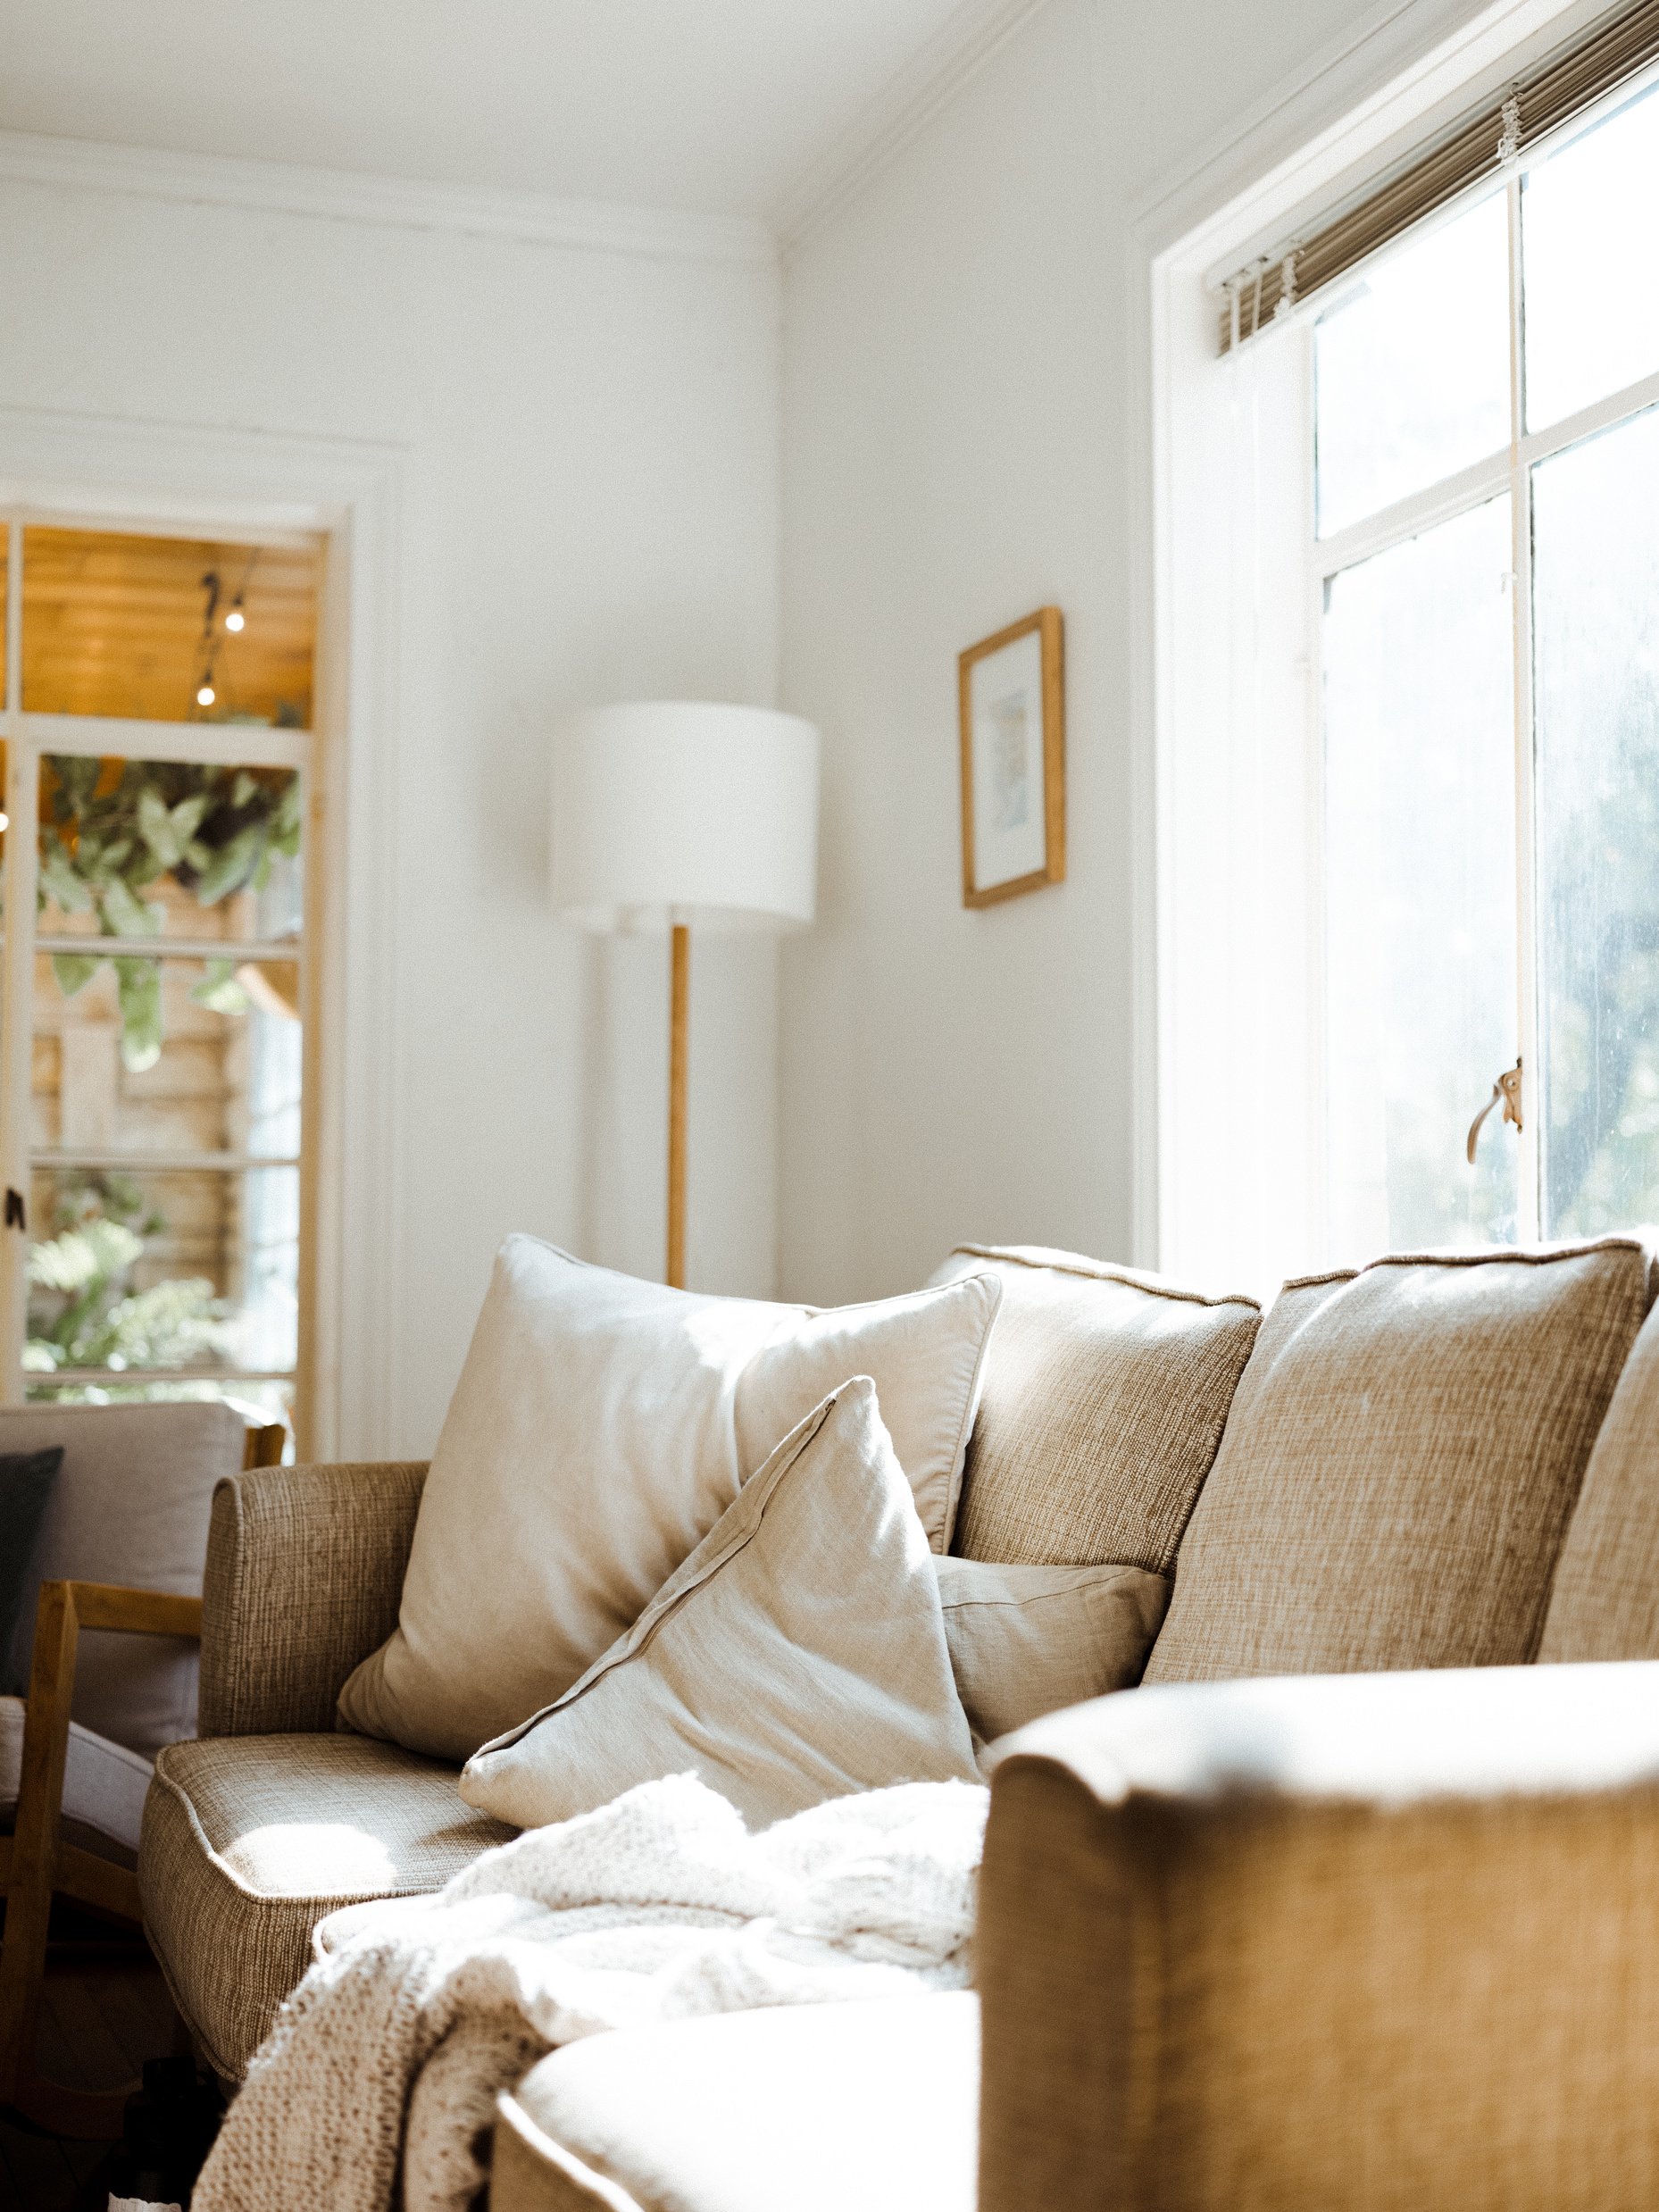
{"x": 676, "y": 814}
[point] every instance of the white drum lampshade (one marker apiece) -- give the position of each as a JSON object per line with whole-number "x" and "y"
{"x": 686, "y": 812}
{"x": 669, "y": 813}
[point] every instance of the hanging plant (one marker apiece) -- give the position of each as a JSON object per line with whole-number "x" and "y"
{"x": 110, "y": 828}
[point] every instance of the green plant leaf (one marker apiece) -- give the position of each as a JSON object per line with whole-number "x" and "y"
{"x": 74, "y": 971}
{"x": 138, "y": 987}
{"x": 127, "y": 915}
{"x": 60, "y": 880}
{"x": 155, "y": 826}
{"x": 219, "y": 989}
{"x": 231, "y": 866}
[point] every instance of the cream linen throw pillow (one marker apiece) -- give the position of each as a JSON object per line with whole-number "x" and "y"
{"x": 600, "y": 1428}
{"x": 798, "y": 1655}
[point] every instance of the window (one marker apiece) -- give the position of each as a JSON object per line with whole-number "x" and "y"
{"x": 153, "y": 1122}
{"x": 1486, "y": 553}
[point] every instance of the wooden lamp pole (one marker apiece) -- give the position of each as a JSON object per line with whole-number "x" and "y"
{"x": 679, "y": 974}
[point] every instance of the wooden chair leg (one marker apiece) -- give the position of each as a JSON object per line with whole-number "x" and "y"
{"x": 41, "y": 1863}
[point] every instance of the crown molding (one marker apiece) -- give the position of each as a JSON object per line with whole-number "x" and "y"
{"x": 343, "y": 196}
{"x": 958, "y": 50}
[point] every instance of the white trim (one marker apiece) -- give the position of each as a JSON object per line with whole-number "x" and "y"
{"x": 226, "y": 744}
{"x": 933, "y": 75}
{"x": 352, "y": 490}
{"x": 336, "y": 196}
{"x": 170, "y": 947}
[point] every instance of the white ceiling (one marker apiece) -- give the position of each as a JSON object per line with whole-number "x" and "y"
{"x": 715, "y": 106}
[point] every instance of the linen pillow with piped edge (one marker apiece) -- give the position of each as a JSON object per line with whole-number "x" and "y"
{"x": 600, "y": 1428}
{"x": 1027, "y": 1640}
{"x": 798, "y": 1655}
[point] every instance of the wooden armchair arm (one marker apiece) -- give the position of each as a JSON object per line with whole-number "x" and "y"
{"x": 41, "y": 1861}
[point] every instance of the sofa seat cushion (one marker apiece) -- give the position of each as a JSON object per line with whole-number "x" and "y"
{"x": 104, "y": 1787}
{"x": 1400, "y": 1464}
{"x": 249, "y": 1842}
{"x": 819, "y": 2108}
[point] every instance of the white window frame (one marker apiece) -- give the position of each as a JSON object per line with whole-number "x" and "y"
{"x": 140, "y": 476}
{"x": 1230, "y": 1106}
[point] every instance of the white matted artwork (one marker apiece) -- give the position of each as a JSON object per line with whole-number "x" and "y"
{"x": 1013, "y": 704}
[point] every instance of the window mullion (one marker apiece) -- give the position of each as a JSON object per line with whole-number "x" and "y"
{"x": 1529, "y": 1177}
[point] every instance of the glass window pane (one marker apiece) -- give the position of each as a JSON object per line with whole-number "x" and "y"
{"x": 191, "y": 1274}
{"x": 1411, "y": 373}
{"x": 1590, "y": 230}
{"x": 167, "y": 628}
{"x": 169, "y": 848}
{"x": 1596, "y": 616}
{"x": 137, "y": 1060}
{"x": 1421, "y": 888}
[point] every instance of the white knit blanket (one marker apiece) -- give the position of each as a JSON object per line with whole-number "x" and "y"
{"x": 384, "y": 2064}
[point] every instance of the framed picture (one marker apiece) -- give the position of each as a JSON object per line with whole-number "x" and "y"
{"x": 1013, "y": 798}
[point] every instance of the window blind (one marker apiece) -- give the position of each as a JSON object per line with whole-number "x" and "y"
{"x": 1564, "y": 86}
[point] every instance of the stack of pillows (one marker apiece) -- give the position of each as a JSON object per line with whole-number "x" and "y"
{"x": 665, "y": 1533}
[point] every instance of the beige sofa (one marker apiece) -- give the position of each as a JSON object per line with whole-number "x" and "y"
{"x": 1363, "y": 1939}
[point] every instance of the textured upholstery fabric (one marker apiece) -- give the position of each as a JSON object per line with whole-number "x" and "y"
{"x": 1105, "y": 1392}
{"x": 130, "y": 1505}
{"x": 1604, "y": 1603}
{"x": 1402, "y": 1456}
{"x": 1350, "y": 1944}
{"x": 798, "y": 1655}
{"x": 304, "y": 1567}
{"x": 1026, "y": 1641}
{"x": 104, "y": 1787}
{"x": 600, "y": 1428}
{"x": 814, "y": 2108}
{"x": 248, "y": 1841}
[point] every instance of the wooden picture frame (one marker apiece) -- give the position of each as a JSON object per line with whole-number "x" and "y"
{"x": 1010, "y": 691}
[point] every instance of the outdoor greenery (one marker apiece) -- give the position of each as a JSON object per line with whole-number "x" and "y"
{"x": 110, "y": 830}
{"x": 82, "y": 1311}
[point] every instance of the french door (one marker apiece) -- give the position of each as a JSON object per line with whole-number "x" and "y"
{"x": 156, "y": 981}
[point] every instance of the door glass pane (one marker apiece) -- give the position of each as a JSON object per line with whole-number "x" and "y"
{"x": 1595, "y": 530}
{"x": 167, "y": 628}
{"x": 1589, "y": 233}
{"x": 1421, "y": 888}
{"x": 1411, "y": 373}
{"x": 184, "y": 1277}
{"x": 169, "y": 848}
{"x": 164, "y": 1255}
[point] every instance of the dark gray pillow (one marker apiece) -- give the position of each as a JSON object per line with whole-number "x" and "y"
{"x": 25, "y": 1479}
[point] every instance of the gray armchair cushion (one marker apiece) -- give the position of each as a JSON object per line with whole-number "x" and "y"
{"x": 130, "y": 1505}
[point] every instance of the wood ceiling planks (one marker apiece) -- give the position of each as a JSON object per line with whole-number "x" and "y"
{"x": 113, "y": 624}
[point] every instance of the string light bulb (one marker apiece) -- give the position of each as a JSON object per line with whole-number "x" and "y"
{"x": 206, "y": 696}
{"x": 235, "y": 619}
{"x": 5, "y": 823}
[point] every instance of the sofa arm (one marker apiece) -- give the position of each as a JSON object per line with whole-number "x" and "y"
{"x": 1388, "y": 1942}
{"x": 305, "y": 1570}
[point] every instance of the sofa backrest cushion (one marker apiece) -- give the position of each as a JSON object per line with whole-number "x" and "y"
{"x": 1605, "y": 1600}
{"x": 130, "y": 1505}
{"x": 1104, "y": 1396}
{"x": 1403, "y": 1455}
{"x": 1027, "y": 1640}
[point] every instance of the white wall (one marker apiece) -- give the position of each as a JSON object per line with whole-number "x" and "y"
{"x": 958, "y": 390}
{"x": 589, "y": 510}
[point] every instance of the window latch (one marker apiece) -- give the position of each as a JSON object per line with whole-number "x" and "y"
{"x": 1507, "y": 1090}
{"x": 16, "y": 1214}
